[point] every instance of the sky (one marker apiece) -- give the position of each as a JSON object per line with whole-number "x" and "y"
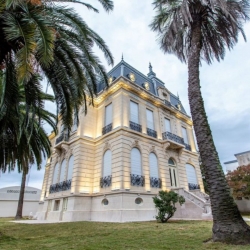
{"x": 225, "y": 85}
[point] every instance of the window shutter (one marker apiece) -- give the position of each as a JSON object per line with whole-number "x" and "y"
{"x": 150, "y": 119}
{"x": 108, "y": 114}
{"x": 55, "y": 174}
{"x": 167, "y": 125}
{"x": 107, "y": 163}
{"x": 70, "y": 167}
{"x": 134, "y": 112}
{"x": 136, "y": 161}
{"x": 191, "y": 174}
{"x": 153, "y": 165}
{"x": 62, "y": 173}
{"x": 184, "y": 134}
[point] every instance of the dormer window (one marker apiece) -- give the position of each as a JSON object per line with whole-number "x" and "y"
{"x": 110, "y": 80}
{"x": 132, "y": 77}
{"x": 146, "y": 86}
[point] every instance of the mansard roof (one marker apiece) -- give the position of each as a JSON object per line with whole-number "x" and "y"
{"x": 124, "y": 69}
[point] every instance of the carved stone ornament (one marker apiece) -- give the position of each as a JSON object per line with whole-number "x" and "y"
{"x": 106, "y": 146}
{"x": 132, "y": 77}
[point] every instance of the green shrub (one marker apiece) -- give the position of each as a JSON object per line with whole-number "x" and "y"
{"x": 165, "y": 204}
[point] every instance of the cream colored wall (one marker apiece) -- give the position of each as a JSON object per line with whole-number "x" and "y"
{"x": 89, "y": 145}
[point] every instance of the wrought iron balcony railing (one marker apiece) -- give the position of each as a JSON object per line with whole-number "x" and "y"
{"x": 187, "y": 146}
{"x": 167, "y": 103}
{"x": 106, "y": 181}
{"x": 193, "y": 186}
{"x": 152, "y": 132}
{"x": 172, "y": 137}
{"x": 61, "y": 186}
{"x": 62, "y": 137}
{"x": 137, "y": 180}
{"x": 135, "y": 126}
{"x": 107, "y": 129}
{"x": 155, "y": 182}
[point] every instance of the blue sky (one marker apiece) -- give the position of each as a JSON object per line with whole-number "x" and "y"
{"x": 225, "y": 85}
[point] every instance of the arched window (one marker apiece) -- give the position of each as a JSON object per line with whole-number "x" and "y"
{"x": 153, "y": 165}
{"x": 70, "y": 167}
{"x": 62, "y": 173}
{"x": 55, "y": 174}
{"x": 173, "y": 173}
{"x": 192, "y": 178}
{"x": 107, "y": 164}
{"x": 136, "y": 162}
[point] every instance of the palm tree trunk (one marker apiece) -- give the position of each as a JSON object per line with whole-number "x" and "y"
{"x": 228, "y": 225}
{"x": 19, "y": 213}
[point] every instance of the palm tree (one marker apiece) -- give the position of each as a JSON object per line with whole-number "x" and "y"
{"x": 52, "y": 40}
{"x": 195, "y": 30}
{"x": 23, "y": 142}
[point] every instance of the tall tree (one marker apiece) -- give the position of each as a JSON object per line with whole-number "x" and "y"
{"x": 50, "y": 39}
{"x": 195, "y": 30}
{"x": 23, "y": 142}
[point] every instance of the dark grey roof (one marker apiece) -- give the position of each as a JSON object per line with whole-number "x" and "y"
{"x": 228, "y": 162}
{"x": 242, "y": 153}
{"x": 140, "y": 79}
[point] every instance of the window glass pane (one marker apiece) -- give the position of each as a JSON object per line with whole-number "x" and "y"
{"x": 108, "y": 114}
{"x": 150, "y": 119}
{"x": 134, "y": 112}
{"x": 171, "y": 162}
{"x": 55, "y": 174}
{"x": 62, "y": 173}
{"x": 136, "y": 161}
{"x": 167, "y": 125}
{"x": 107, "y": 163}
{"x": 184, "y": 134}
{"x": 70, "y": 167}
{"x": 191, "y": 174}
{"x": 153, "y": 165}
{"x": 171, "y": 182}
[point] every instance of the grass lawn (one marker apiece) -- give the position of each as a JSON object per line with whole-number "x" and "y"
{"x": 95, "y": 235}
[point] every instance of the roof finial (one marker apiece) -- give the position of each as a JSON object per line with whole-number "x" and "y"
{"x": 150, "y": 67}
{"x": 122, "y": 56}
{"x": 178, "y": 95}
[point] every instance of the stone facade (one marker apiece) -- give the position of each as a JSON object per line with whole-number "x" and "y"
{"x": 88, "y": 195}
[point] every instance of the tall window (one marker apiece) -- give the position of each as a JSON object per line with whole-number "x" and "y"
{"x": 136, "y": 162}
{"x": 74, "y": 127}
{"x": 184, "y": 134}
{"x": 150, "y": 119}
{"x": 70, "y": 167}
{"x": 153, "y": 165}
{"x": 191, "y": 176}
{"x": 108, "y": 114}
{"x": 134, "y": 112}
{"x": 62, "y": 173}
{"x": 172, "y": 173}
{"x": 167, "y": 125}
{"x": 55, "y": 174}
{"x": 107, "y": 163}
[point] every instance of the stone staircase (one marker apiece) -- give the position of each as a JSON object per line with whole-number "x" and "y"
{"x": 199, "y": 200}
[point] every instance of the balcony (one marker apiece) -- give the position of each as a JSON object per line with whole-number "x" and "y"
{"x": 107, "y": 129}
{"x": 137, "y": 180}
{"x": 61, "y": 186}
{"x": 172, "y": 137}
{"x": 167, "y": 103}
{"x": 135, "y": 126}
{"x": 152, "y": 132}
{"x": 155, "y": 182}
{"x": 62, "y": 137}
{"x": 106, "y": 181}
{"x": 193, "y": 186}
{"x": 187, "y": 146}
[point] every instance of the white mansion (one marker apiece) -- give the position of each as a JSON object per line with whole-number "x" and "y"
{"x": 136, "y": 140}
